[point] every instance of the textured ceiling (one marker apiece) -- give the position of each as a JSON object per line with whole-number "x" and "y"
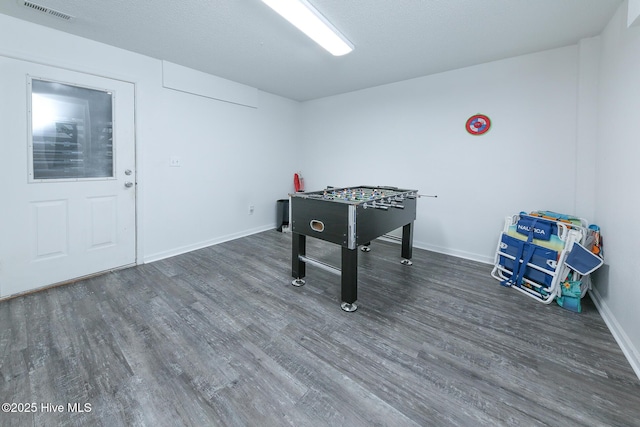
{"x": 245, "y": 41}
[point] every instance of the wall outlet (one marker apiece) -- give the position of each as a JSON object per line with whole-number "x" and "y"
{"x": 174, "y": 162}
{"x": 251, "y": 209}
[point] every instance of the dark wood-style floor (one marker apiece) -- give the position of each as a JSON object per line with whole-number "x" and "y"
{"x": 219, "y": 337}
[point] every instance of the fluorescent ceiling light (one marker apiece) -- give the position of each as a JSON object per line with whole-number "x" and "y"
{"x": 308, "y": 20}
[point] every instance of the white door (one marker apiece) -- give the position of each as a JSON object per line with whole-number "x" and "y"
{"x": 67, "y": 175}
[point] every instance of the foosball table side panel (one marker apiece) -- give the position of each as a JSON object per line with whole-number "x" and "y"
{"x": 321, "y": 219}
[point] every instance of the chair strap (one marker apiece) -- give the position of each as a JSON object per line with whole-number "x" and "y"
{"x": 525, "y": 253}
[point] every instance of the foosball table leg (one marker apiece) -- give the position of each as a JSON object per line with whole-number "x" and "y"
{"x": 349, "y": 279}
{"x": 298, "y": 282}
{"x": 298, "y": 267}
{"x": 348, "y": 307}
{"x": 407, "y": 244}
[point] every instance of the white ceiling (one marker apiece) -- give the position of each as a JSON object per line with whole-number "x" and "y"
{"x": 245, "y": 41}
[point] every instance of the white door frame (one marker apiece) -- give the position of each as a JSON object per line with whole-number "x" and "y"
{"x": 56, "y": 63}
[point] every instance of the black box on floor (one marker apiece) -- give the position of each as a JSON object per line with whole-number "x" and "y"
{"x": 282, "y": 214}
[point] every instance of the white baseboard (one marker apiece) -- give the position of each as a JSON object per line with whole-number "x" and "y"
{"x": 459, "y": 254}
{"x": 630, "y": 351}
{"x": 221, "y": 239}
{"x": 446, "y": 251}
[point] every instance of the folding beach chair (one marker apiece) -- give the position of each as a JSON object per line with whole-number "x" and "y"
{"x": 531, "y": 255}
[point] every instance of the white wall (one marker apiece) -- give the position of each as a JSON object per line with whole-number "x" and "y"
{"x": 633, "y": 14}
{"x": 412, "y": 134}
{"x": 232, "y": 156}
{"x": 587, "y": 116}
{"x": 617, "y": 287}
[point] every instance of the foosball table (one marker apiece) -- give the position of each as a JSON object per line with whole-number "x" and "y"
{"x": 350, "y": 217}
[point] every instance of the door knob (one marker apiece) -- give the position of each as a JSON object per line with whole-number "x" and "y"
{"x": 128, "y": 184}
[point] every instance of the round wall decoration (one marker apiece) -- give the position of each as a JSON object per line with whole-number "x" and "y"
{"x": 478, "y": 124}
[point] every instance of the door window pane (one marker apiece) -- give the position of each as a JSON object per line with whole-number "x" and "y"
{"x": 71, "y": 131}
